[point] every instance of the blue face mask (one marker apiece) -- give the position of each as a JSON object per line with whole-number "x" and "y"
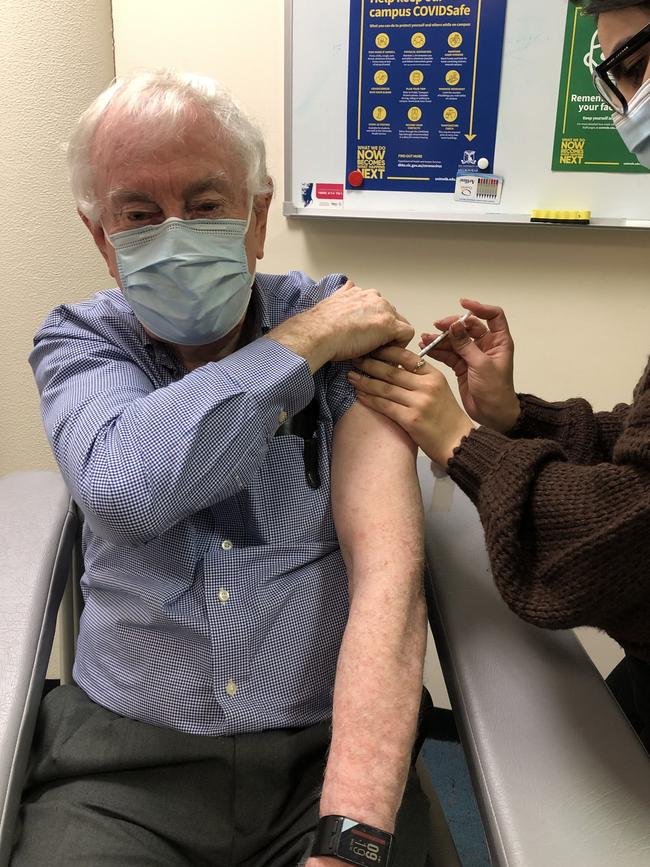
{"x": 187, "y": 280}
{"x": 634, "y": 128}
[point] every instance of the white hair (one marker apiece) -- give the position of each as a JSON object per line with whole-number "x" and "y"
{"x": 167, "y": 96}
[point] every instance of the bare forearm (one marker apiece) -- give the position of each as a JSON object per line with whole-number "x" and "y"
{"x": 378, "y": 513}
{"x": 376, "y": 701}
{"x": 307, "y": 335}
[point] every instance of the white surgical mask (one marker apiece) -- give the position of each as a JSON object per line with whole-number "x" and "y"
{"x": 634, "y": 127}
{"x": 187, "y": 280}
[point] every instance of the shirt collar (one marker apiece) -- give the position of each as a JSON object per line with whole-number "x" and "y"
{"x": 166, "y": 357}
{"x": 263, "y": 311}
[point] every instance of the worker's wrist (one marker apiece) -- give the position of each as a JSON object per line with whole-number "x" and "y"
{"x": 503, "y": 415}
{"x": 464, "y": 429}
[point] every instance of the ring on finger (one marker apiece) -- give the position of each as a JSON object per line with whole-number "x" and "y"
{"x": 420, "y": 364}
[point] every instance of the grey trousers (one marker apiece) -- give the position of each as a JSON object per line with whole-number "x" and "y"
{"x": 107, "y": 790}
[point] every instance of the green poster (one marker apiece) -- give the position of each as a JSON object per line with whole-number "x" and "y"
{"x": 585, "y": 137}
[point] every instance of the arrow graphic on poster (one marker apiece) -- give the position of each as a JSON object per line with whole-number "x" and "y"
{"x": 471, "y": 135}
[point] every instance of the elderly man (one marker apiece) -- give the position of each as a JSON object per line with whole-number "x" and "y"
{"x": 249, "y": 662}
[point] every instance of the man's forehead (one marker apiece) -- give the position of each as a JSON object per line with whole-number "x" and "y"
{"x": 218, "y": 182}
{"x": 130, "y": 150}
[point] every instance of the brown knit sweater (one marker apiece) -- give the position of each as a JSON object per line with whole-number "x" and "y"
{"x": 565, "y": 502}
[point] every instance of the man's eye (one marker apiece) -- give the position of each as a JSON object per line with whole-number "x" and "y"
{"x": 207, "y": 209}
{"x": 139, "y": 216}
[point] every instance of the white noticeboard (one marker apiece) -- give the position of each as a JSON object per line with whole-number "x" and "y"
{"x": 317, "y": 40}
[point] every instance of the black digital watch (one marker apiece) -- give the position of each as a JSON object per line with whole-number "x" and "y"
{"x": 352, "y": 842}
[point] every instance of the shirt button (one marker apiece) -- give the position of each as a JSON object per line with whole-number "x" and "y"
{"x": 226, "y": 544}
{"x": 224, "y": 596}
{"x": 283, "y": 416}
{"x": 231, "y": 687}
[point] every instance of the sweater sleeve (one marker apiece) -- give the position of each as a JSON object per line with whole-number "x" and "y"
{"x": 568, "y": 542}
{"x": 586, "y": 436}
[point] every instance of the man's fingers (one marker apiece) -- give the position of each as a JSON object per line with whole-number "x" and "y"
{"x": 405, "y": 333}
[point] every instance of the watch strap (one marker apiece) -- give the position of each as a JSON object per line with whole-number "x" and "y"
{"x": 352, "y": 842}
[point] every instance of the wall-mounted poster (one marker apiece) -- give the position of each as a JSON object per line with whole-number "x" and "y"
{"x": 423, "y": 91}
{"x": 585, "y": 137}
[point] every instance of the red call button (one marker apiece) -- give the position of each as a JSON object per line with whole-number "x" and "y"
{"x": 355, "y": 178}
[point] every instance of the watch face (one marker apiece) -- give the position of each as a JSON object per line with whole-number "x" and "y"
{"x": 362, "y": 844}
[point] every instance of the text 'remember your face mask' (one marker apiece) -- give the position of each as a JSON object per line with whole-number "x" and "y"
{"x": 634, "y": 127}
{"x": 187, "y": 280}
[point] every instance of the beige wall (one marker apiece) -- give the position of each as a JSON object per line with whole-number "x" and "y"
{"x": 577, "y": 299}
{"x": 55, "y": 57}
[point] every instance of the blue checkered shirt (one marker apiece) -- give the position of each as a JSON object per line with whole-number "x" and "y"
{"x": 215, "y": 591}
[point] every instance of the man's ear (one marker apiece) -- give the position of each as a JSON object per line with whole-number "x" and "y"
{"x": 97, "y": 231}
{"x": 261, "y": 207}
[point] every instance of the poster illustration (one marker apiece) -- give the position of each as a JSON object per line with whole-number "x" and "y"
{"x": 423, "y": 91}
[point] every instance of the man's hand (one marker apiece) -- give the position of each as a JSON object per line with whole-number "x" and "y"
{"x": 350, "y": 323}
{"x": 357, "y": 317}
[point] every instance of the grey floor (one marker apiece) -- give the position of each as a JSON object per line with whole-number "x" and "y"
{"x": 446, "y": 763}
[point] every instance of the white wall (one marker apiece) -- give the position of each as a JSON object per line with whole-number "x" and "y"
{"x": 577, "y": 300}
{"x": 54, "y": 59}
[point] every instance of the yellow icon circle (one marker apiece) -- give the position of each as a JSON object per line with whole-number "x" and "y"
{"x": 414, "y": 113}
{"x": 379, "y": 113}
{"x": 455, "y": 39}
{"x": 382, "y": 40}
{"x": 452, "y": 77}
{"x": 450, "y": 114}
{"x": 381, "y": 77}
{"x": 418, "y": 40}
{"x": 416, "y": 77}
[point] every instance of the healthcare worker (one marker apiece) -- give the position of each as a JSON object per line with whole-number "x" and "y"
{"x": 563, "y": 492}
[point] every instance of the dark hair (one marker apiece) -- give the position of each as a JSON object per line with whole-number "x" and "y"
{"x": 595, "y": 7}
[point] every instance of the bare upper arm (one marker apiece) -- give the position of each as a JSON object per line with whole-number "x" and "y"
{"x": 376, "y": 500}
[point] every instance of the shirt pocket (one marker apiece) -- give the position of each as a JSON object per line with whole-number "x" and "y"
{"x": 283, "y": 508}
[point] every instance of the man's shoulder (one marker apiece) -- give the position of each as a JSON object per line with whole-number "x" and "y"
{"x": 106, "y": 311}
{"x": 287, "y": 294}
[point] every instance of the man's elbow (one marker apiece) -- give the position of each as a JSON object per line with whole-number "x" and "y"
{"x": 117, "y": 512}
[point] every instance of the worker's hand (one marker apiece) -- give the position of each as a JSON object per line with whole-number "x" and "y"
{"x": 350, "y": 323}
{"x": 480, "y": 351}
{"x": 414, "y": 395}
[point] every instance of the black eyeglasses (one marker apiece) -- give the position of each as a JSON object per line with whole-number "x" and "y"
{"x": 626, "y": 67}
